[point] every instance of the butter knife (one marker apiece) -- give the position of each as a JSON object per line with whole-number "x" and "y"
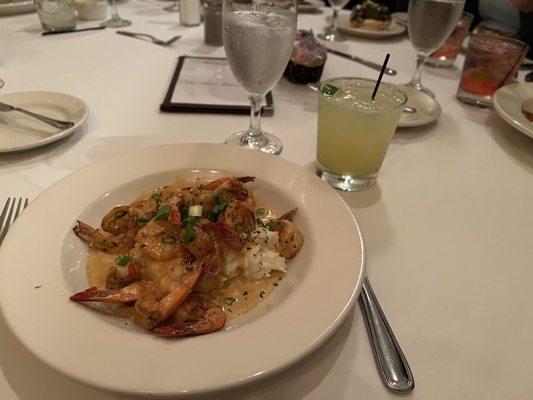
{"x": 370, "y": 64}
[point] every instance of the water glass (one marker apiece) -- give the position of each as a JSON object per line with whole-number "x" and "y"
{"x": 354, "y": 131}
{"x": 445, "y": 56}
{"x": 56, "y": 15}
{"x": 492, "y": 61}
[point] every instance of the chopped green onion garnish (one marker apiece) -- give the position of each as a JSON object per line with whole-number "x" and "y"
{"x": 230, "y": 300}
{"x": 122, "y": 259}
{"x": 190, "y": 220}
{"x": 157, "y": 197}
{"x": 260, "y": 212}
{"x": 143, "y": 218}
{"x": 329, "y": 90}
{"x": 163, "y": 212}
{"x": 190, "y": 234}
{"x": 219, "y": 199}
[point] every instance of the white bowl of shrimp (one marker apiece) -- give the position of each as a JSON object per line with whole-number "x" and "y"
{"x": 197, "y": 252}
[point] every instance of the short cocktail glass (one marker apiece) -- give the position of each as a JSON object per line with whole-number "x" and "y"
{"x": 354, "y": 131}
{"x": 492, "y": 61}
{"x": 447, "y": 53}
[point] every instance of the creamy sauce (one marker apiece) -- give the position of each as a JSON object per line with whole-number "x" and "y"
{"x": 240, "y": 295}
{"x": 237, "y": 296}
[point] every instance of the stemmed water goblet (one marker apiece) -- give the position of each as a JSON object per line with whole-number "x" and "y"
{"x": 430, "y": 23}
{"x": 116, "y": 21}
{"x": 258, "y": 38}
{"x": 331, "y": 34}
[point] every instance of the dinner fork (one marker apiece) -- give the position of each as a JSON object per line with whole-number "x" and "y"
{"x": 152, "y": 38}
{"x": 10, "y": 213}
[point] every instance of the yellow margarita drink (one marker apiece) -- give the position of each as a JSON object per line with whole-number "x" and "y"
{"x": 354, "y": 131}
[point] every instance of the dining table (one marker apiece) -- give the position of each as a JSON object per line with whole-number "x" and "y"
{"x": 447, "y": 227}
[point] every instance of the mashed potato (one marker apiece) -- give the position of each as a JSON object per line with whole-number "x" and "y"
{"x": 258, "y": 259}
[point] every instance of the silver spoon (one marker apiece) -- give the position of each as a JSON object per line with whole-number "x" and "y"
{"x": 406, "y": 109}
{"x": 50, "y": 121}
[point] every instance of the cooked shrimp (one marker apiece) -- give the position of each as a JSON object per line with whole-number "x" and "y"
{"x": 198, "y": 315}
{"x": 144, "y": 209}
{"x": 119, "y": 276}
{"x": 235, "y": 223}
{"x": 159, "y": 240}
{"x": 102, "y": 240}
{"x": 154, "y": 306}
{"x": 153, "y": 301}
{"x": 199, "y": 196}
{"x": 204, "y": 246}
{"x": 118, "y": 221}
{"x": 125, "y": 295}
{"x": 232, "y": 188}
{"x": 290, "y": 238}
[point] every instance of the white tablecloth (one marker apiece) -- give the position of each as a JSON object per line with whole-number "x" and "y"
{"x": 448, "y": 226}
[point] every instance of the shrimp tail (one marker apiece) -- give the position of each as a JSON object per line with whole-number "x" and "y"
{"x": 133, "y": 270}
{"x": 212, "y": 321}
{"x": 289, "y": 215}
{"x": 126, "y": 295}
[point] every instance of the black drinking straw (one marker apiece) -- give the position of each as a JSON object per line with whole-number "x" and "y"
{"x": 380, "y": 76}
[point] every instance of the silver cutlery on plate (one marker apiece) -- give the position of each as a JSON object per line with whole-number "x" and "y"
{"x": 152, "y": 38}
{"x": 370, "y": 64}
{"x": 50, "y": 121}
{"x": 10, "y": 213}
{"x": 392, "y": 364}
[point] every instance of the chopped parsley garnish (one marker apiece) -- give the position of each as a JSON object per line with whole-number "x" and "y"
{"x": 262, "y": 294}
{"x": 163, "y": 212}
{"x": 157, "y": 197}
{"x": 230, "y": 300}
{"x": 122, "y": 259}
{"x": 329, "y": 90}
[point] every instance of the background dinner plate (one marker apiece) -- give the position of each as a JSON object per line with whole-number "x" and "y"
{"x": 508, "y": 104}
{"x": 42, "y": 263}
{"x": 427, "y": 108}
{"x": 21, "y": 132}
{"x": 344, "y": 26}
{"x": 16, "y": 7}
{"x": 401, "y": 18}
{"x": 310, "y": 6}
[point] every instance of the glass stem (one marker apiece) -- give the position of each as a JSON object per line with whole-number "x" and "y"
{"x": 255, "y": 116}
{"x": 114, "y": 11}
{"x": 333, "y": 25}
{"x": 416, "y": 80}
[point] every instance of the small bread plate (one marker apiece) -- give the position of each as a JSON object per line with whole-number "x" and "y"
{"x": 103, "y": 351}
{"x": 401, "y": 18}
{"x": 21, "y": 132}
{"x": 513, "y": 103}
{"x": 427, "y": 108}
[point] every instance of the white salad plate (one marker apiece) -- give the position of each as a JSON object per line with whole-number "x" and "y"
{"x": 510, "y": 100}
{"x": 317, "y": 293}
{"x": 21, "y": 132}
{"x": 16, "y": 7}
{"x": 344, "y": 26}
